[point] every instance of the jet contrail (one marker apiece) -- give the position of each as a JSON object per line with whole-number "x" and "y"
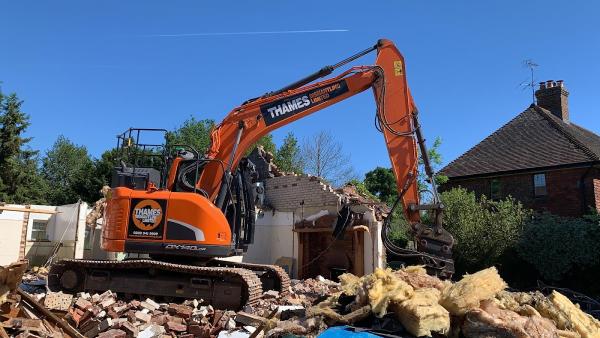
{"x": 246, "y": 33}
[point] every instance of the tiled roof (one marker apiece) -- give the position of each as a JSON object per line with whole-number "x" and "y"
{"x": 533, "y": 139}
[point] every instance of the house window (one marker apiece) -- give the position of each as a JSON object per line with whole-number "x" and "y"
{"x": 539, "y": 185}
{"x": 495, "y": 189}
{"x": 38, "y": 230}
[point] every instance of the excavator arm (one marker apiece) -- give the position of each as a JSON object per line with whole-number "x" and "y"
{"x": 247, "y": 123}
{"x": 396, "y": 117}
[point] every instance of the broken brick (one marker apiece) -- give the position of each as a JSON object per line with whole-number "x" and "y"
{"x": 159, "y": 319}
{"x": 129, "y": 329}
{"x": 83, "y": 304}
{"x": 107, "y": 302}
{"x": 143, "y": 317}
{"x": 180, "y": 310}
{"x": 177, "y": 327}
{"x": 271, "y": 294}
{"x": 113, "y": 333}
{"x": 245, "y": 318}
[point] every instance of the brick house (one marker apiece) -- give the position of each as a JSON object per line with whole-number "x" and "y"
{"x": 540, "y": 157}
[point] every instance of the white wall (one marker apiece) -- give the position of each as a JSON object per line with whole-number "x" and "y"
{"x": 11, "y": 223}
{"x": 273, "y": 238}
{"x": 374, "y": 256}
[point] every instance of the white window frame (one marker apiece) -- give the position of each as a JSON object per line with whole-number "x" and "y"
{"x": 39, "y": 235}
{"x": 540, "y": 185}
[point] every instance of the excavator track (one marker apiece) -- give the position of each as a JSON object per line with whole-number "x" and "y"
{"x": 222, "y": 287}
{"x": 273, "y": 277}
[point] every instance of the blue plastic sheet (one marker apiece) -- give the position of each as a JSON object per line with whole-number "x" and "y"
{"x": 344, "y": 331}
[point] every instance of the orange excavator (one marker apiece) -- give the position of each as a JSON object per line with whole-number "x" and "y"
{"x": 187, "y": 209}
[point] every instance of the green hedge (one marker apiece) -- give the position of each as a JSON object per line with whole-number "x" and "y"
{"x": 484, "y": 229}
{"x": 557, "y": 245}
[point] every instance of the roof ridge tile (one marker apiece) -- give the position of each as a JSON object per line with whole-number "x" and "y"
{"x": 558, "y": 125}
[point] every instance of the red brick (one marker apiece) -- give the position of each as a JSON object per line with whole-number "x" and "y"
{"x": 177, "y": 327}
{"x": 83, "y": 304}
{"x": 180, "y": 311}
{"x": 113, "y": 333}
{"x": 566, "y": 195}
{"x": 199, "y": 331}
{"x": 143, "y": 317}
{"x": 160, "y": 319}
{"x": 129, "y": 329}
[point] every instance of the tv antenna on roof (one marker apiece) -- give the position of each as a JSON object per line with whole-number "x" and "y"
{"x": 531, "y": 82}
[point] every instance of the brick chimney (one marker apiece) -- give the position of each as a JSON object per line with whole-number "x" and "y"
{"x": 552, "y": 95}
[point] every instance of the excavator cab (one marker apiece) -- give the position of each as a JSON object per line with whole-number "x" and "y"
{"x": 153, "y": 192}
{"x": 140, "y": 163}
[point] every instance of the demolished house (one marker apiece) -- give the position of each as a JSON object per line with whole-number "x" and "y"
{"x": 41, "y": 232}
{"x": 295, "y": 228}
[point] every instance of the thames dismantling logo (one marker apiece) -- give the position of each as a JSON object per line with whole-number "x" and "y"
{"x": 289, "y": 106}
{"x": 284, "y": 108}
{"x": 147, "y": 215}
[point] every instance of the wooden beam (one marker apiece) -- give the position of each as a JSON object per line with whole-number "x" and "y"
{"x": 49, "y": 315}
{"x": 37, "y": 211}
{"x": 359, "y": 253}
{"x": 23, "y": 241}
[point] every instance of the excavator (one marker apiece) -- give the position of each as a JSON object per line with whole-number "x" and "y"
{"x": 188, "y": 210}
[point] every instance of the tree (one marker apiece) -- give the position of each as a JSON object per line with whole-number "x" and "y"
{"x": 70, "y": 173}
{"x": 19, "y": 177}
{"x": 382, "y": 183}
{"x": 435, "y": 158}
{"x": 287, "y": 157}
{"x": 266, "y": 142}
{"x": 104, "y": 166}
{"x": 323, "y": 156}
{"x": 195, "y": 133}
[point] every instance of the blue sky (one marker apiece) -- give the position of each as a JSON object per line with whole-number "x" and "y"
{"x": 90, "y": 69}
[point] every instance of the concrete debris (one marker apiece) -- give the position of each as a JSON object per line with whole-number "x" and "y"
{"x": 58, "y": 301}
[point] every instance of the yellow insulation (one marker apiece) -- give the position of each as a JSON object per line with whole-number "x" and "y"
{"x": 584, "y": 324}
{"x": 421, "y": 315}
{"x": 472, "y": 289}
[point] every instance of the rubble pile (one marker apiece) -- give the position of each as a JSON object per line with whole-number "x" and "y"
{"x": 105, "y": 315}
{"x": 404, "y": 303}
{"x": 475, "y": 306}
